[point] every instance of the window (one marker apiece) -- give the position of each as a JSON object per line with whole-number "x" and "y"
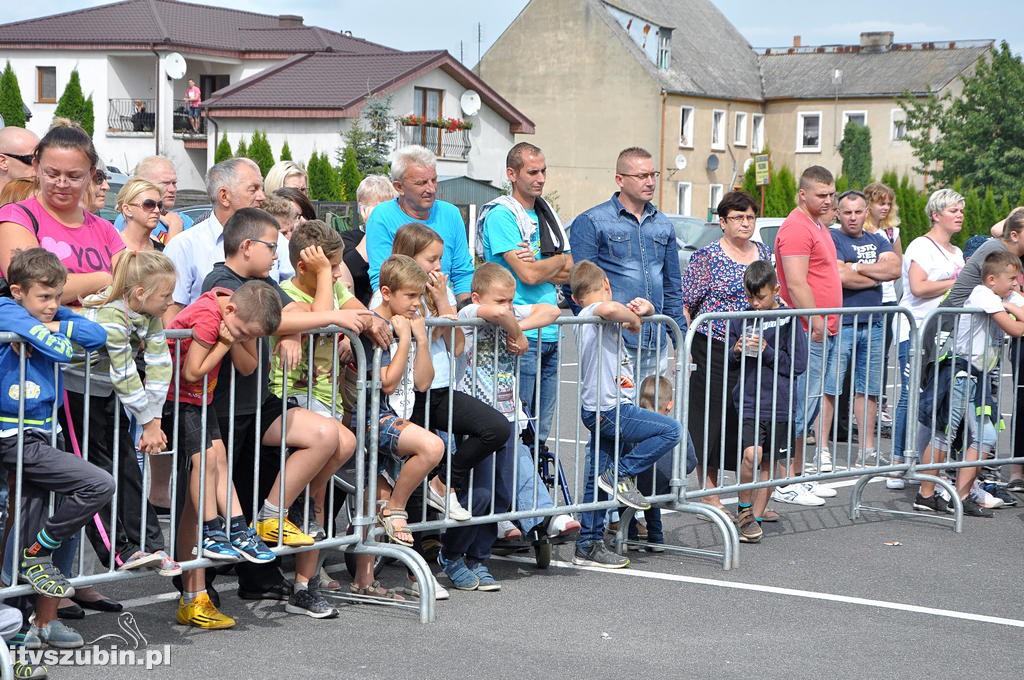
{"x": 686, "y": 126}
{"x": 899, "y": 124}
{"x": 718, "y": 129}
{"x": 664, "y": 49}
{"x": 684, "y": 192}
{"x": 757, "y": 134}
{"x": 428, "y": 103}
{"x": 714, "y": 198}
{"x": 858, "y": 117}
{"x": 808, "y": 131}
{"x": 739, "y": 133}
{"x": 208, "y": 84}
{"x": 46, "y": 84}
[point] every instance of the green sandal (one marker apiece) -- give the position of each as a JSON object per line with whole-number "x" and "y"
{"x": 386, "y": 518}
{"x": 44, "y": 576}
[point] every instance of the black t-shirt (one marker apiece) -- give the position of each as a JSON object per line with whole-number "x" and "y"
{"x": 359, "y": 267}
{"x": 252, "y": 389}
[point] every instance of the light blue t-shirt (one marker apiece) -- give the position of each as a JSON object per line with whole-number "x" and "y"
{"x": 502, "y": 234}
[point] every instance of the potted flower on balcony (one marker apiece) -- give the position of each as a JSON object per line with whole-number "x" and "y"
{"x": 446, "y": 124}
{"x": 413, "y": 120}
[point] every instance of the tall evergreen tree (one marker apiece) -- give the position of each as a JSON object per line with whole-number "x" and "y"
{"x": 856, "y": 152}
{"x": 12, "y": 107}
{"x": 286, "y": 151}
{"x": 350, "y": 177}
{"x": 223, "y": 151}
{"x": 260, "y": 152}
{"x": 74, "y": 106}
{"x": 243, "y": 149}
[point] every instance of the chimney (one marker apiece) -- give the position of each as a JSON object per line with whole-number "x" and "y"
{"x": 796, "y": 41}
{"x": 876, "y": 41}
{"x": 289, "y": 21}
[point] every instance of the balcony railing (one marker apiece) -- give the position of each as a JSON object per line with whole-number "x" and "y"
{"x": 139, "y": 116}
{"x": 131, "y": 115}
{"x": 444, "y": 144}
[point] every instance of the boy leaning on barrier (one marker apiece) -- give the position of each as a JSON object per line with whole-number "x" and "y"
{"x": 36, "y": 278}
{"x": 774, "y": 352}
{"x": 962, "y": 392}
{"x": 608, "y": 411}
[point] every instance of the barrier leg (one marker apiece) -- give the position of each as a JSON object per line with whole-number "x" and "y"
{"x": 730, "y": 537}
{"x": 415, "y": 563}
{"x": 622, "y": 535}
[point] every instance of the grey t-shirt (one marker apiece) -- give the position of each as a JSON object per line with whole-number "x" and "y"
{"x": 970, "y": 276}
{"x": 606, "y": 374}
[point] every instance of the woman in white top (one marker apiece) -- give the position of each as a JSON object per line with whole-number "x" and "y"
{"x": 931, "y": 264}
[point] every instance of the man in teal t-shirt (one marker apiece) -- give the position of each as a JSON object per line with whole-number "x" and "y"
{"x": 523, "y": 234}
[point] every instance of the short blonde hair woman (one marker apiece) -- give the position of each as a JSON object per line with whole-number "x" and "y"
{"x": 286, "y": 174}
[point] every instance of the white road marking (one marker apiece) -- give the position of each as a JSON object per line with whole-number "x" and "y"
{"x": 790, "y": 592}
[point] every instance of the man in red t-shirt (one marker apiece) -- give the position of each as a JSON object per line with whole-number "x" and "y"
{"x": 805, "y": 257}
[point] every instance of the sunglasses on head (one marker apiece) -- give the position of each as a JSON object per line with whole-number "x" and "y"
{"x": 25, "y": 158}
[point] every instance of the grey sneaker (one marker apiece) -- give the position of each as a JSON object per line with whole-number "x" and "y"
{"x": 310, "y": 602}
{"x": 55, "y": 634}
{"x": 625, "y": 492}
{"x": 597, "y": 555}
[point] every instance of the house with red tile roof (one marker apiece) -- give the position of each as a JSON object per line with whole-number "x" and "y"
{"x": 299, "y": 83}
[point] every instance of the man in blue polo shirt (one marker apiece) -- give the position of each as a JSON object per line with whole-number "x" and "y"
{"x": 160, "y": 171}
{"x": 523, "y": 234}
{"x": 414, "y": 174}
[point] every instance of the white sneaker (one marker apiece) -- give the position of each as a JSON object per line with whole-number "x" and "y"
{"x": 508, "y": 531}
{"x": 984, "y": 498}
{"x": 796, "y": 494}
{"x": 455, "y": 509}
{"x": 820, "y": 490}
{"x": 440, "y": 592}
{"x": 895, "y": 483}
{"x": 562, "y": 525}
{"x": 825, "y": 460}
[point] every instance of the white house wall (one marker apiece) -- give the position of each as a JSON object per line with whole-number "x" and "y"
{"x": 304, "y": 135}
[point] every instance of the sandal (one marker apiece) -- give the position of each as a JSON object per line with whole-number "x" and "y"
{"x": 377, "y": 591}
{"x": 386, "y": 518}
{"x": 44, "y": 576}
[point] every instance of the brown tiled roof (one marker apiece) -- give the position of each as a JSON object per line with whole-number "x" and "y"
{"x": 178, "y": 25}
{"x": 337, "y": 84}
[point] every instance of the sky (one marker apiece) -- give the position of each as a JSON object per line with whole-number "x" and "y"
{"x": 455, "y": 25}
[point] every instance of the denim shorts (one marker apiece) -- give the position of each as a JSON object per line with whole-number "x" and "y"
{"x": 866, "y": 341}
{"x": 389, "y": 462}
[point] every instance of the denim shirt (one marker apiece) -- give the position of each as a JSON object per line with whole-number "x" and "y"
{"x": 639, "y": 258}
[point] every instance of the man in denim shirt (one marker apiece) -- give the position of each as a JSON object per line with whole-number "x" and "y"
{"x": 634, "y": 243}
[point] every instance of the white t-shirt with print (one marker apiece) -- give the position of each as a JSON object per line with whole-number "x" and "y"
{"x": 486, "y": 369}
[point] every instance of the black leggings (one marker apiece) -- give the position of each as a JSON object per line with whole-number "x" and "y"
{"x": 483, "y": 429}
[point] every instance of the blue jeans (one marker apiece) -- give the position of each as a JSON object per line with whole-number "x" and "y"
{"x": 528, "y": 481}
{"x": 548, "y": 384}
{"x": 652, "y": 436}
{"x": 979, "y": 426}
{"x": 809, "y": 384}
{"x": 900, "y": 421}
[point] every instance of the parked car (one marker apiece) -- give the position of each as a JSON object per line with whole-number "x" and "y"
{"x": 117, "y": 181}
{"x": 767, "y": 229}
{"x": 692, "y": 234}
{"x": 198, "y": 213}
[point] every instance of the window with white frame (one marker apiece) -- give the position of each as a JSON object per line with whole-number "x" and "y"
{"x": 664, "y": 49}
{"x": 899, "y": 125}
{"x": 757, "y": 133}
{"x": 684, "y": 195}
{"x": 739, "y": 133}
{"x": 718, "y": 129}
{"x": 808, "y": 131}
{"x": 858, "y": 117}
{"x": 686, "y": 126}
{"x": 714, "y": 197}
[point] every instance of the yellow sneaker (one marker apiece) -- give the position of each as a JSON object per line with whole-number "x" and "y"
{"x": 268, "y": 529}
{"x": 201, "y": 613}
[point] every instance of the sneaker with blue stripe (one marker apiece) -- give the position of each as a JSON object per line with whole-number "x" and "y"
{"x": 247, "y": 544}
{"x": 216, "y": 546}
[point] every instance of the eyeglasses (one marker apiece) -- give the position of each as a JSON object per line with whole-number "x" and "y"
{"x": 643, "y": 177}
{"x": 268, "y": 244}
{"x": 149, "y": 205}
{"x": 58, "y": 179}
{"x": 851, "y": 192}
{"x": 100, "y": 177}
{"x": 741, "y": 219}
{"x": 304, "y": 190}
{"x": 25, "y": 158}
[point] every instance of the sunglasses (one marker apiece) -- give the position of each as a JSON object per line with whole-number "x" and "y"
{"x": 149, "y": 205}
{"x": 851, "y": 192}
{"x": 24, "y": 158}
{"x": 101, "y": 177}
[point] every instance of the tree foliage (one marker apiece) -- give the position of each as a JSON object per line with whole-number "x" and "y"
{"x": 74, "y": 106}
{"x": 350, "y": 177}
{"x": 978, "y": 135}
{"x": 223, "y": 151}
{"x": 779, "y": 195}
{"x": 11, "y": 106}
{"x": 856, "y": 152}
{"x": 286, "y": 151}
{"x": 323, "y": 179}
{"x": 370, "y": 136}
{"x": 260, "y": 152}
{"x": 243, "y": 149}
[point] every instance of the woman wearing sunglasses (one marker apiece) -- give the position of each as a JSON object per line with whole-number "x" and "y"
{"x": 95, "y": 198}
{"x": 64, "y": 163}
{"x": 139, "y": 202}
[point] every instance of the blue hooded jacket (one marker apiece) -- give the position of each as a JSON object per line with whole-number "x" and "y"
{"x": 43, "y": 385}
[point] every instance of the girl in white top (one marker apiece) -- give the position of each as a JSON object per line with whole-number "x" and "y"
{"x": 931, "y": 264}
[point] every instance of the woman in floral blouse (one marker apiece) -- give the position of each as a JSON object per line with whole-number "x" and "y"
{"x": 713, "y": 282}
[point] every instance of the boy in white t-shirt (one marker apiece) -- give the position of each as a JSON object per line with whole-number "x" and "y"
{"x": 608, "y": 411}
{"x": 974, "y": 362}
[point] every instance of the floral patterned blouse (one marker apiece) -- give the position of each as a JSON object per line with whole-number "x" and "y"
{"x": 713, "y": 282}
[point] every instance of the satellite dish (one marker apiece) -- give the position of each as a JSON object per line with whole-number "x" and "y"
{"x": 174, "y": 66}
{"x": 470, "y": 102}
{"x": 712, "y": 164}
{"x": 680, "y": 162}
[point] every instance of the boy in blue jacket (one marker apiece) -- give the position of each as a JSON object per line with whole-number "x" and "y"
{"x": 37, "y": 279}
{"x": 774, "y": 351}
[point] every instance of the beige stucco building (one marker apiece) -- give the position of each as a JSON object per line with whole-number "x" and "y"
{"x": 677, "y": 78}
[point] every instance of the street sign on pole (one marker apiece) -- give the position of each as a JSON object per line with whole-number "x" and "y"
{"x": 761, "y": 173}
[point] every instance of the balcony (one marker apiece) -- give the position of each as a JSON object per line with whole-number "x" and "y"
{"x": 454, "y": 145}
{"x": 137, "y": 118}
